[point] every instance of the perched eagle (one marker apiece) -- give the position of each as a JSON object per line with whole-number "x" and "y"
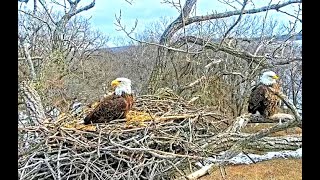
{"x": 114, "y": 106}
{"x": 262, "y": 99}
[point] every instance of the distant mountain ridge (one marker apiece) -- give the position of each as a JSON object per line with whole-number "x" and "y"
{"x": 296, "y": 37}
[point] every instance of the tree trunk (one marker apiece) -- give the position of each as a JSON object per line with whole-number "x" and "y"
{"x": 156, "y": 78}
{"x": 33, "y": 102}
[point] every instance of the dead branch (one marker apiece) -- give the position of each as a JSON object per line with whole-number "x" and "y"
{"x": 32, "y": 58}
{"x": 176, "y": 136}
{"x": 196, "y": 82}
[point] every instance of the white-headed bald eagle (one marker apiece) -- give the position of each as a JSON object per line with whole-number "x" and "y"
{"x": 114, "y": 106}
{"x": 262, "y": 99}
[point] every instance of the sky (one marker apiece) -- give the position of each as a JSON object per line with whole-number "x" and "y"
{"x": 147, "y": 11}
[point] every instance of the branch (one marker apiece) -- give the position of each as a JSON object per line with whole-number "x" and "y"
{"x": 291, "y": 106}
{"x": 242, "y": 159}
{"x": 43, "y": 4}
{"x": 33, "y": 101}
{"x": 252, "y": 138}
{"x": 233, "y": 13}
{"x": 123, "y": 28}
{"x": 129, "y": 2}
{"x": 241, "y": 121}
{"x": 290, "y": 15}
{"x": 212, "y": 63}
{"x": 29, "y": 61}
{"x": 233, "y": 73}
{"x": 290, "y": 60}
{"x": 91, "y": 5}
{"x": 236, "y": 148}
{"x": 32, "y": 58}
{"x": 224, "y": 141}
{"x": 36, "y": 18}
{"x": 214, "y": 46}
{"x": 177, "y": 24}
{"x": 196, "y": 82}
{"x": 237, "y": 21}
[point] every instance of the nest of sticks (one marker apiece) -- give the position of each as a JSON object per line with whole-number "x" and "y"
{"x": 165, "y": 142}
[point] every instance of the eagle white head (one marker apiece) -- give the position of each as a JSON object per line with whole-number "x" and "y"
{"x": 121, "y": 85}
{"x": 269, "y": 78}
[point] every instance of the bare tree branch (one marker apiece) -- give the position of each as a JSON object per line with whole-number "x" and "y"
{"x": 91, "y": 5}
{"x": 43, "y": 4}
{"x": 32, "y": 58}
{"x": 29, "y": 61}
{"x": 123, "y": 28}
{"x": 237, "y": 21}
{"x": 290, "y": 15}
{"x": 176, "y": 25}
{"x": 214, "y": 46}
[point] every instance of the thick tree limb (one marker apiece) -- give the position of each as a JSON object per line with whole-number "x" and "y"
{"x": 253, "y": 141}
{"x": 33, "y": 102}
{"x": 242, "y": 120}
{"x": 60, "y": 25}
{"x": 87, "y": 7}
{"x": 239, "y": 160}
{"x": 177, "y": 24}
{"x": 224, "y": 141}
{"x": 236, "y": 148}
{"x": 238, "y": 12}
{"x": 287, "y": 102}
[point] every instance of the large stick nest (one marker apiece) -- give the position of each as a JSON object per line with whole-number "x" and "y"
{"x": 170, "y": 140}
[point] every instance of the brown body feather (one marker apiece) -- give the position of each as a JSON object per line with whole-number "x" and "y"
{"x": 263, "y": 100}
{"x": 110, "y": 108}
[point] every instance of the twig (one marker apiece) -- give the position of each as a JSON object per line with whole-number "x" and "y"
{"x": 46, "y": 160}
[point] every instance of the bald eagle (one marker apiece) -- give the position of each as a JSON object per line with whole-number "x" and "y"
{"x": 263, "y": 100}
{"x": 114, "y": 106}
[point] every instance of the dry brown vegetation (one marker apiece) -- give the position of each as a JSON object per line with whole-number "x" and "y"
{"x": 280, "y": 169}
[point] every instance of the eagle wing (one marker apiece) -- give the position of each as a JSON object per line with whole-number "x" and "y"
{"x": 257, "y": 99}
{"x": 110, "y": 108}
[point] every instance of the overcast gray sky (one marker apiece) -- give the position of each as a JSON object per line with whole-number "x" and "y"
{"x": 148, "y": 11}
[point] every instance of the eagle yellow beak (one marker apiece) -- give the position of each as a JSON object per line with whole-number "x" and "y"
{"x": 275, "y": 77}
{"x": 115, "y": 83}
